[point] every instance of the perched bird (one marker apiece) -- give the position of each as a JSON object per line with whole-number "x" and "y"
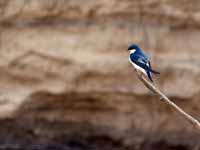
{"x": 141, "y": 61}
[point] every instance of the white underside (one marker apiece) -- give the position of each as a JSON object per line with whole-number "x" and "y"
{"x": 138, "y": 67}
{"x": 132, "y": 51}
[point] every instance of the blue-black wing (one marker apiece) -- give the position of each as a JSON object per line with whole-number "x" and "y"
{"x": 146, "y": 56}
{"x": 146, "y": 68}
{"x": 142, "y": 62}
{"x": 146, "y": 61}
{"x": 142, "y": 54}
{"x": 140, "y": 59}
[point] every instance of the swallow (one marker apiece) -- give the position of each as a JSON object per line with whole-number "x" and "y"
{"x": 141, "y": 61}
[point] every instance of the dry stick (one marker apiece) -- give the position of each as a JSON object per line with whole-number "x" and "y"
{"x": 152, "y": 88}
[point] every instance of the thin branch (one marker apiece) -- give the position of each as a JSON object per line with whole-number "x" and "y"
{"x": 155, "y": 90}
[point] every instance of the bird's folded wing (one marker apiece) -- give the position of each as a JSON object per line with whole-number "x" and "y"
{"x": 143, "y": 64}
{"x": 146, "y": 55}
{"x": 143, "y": 60}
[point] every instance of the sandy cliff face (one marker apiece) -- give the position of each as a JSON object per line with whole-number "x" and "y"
{"x": 66, "y": 61}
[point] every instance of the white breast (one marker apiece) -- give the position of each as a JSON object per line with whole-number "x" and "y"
{"x": 137, "y": 67}
{"x": 132, "y": 51}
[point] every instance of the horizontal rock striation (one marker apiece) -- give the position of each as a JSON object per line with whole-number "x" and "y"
{"x": 67, "y": 61}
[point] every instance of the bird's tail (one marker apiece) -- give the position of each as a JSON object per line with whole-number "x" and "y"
{"x": 151, "y": 70}
{"x": 149, "y": 75}
{"x": 155, "y": 72}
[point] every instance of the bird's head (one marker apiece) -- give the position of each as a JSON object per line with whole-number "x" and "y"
{"x": 133, "y": 47}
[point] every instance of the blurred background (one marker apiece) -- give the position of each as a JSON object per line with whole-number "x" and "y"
{"x": 66, "y": 83}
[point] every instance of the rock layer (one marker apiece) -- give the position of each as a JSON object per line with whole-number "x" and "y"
{"x": 66, "y": 61}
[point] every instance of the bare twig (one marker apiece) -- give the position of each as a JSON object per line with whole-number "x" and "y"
{"x": 155, "y": 90}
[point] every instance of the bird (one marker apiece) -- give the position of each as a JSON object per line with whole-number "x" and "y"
{"x": 141, "y": 61}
